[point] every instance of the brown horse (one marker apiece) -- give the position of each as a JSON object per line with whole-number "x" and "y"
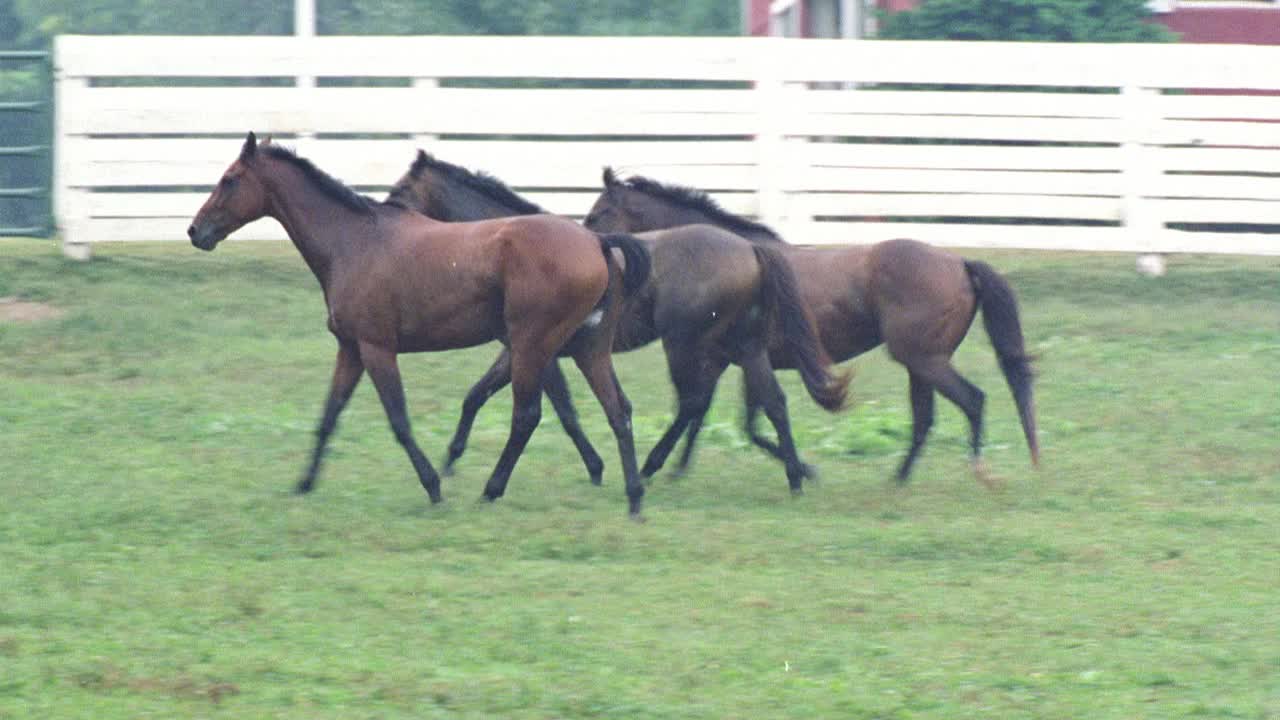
{"x": 710, "y": 298}
{"x": 916, "y": 299}
{"x": 395, "y": 281}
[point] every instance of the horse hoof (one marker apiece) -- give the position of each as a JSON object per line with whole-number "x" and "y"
{"x": 597, "y": 480}
{"x": 797, "y": 492}
{"x": 303, "y": 488}
{"x": 446, "y": 471}
{"x": 638, "y": 518}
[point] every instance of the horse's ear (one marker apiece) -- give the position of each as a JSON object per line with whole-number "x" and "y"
{"x": 250, "y": 146}
{"x": 610, "y": 179}
{"x": 420, "y": 163}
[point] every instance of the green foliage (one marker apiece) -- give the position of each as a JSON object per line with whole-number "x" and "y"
{"x": 154, "y": 564}
{"x": 1027, "y": 20}
{"x": 24, "y": 81}
{"x": 46, "y": 18}
{"x": 542, "y": 17}
{"x": 10, "y": 25}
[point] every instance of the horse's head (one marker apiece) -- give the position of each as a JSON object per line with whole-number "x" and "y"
{"x": 611, "y": 212}
{"x": 413, "y": 191}
{"x": 633, "y": 206}
{"x": 239, "y": 198}
{"x": 452, "y": 193}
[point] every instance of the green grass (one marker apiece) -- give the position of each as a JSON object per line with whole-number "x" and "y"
{"x": 154, "y": 564}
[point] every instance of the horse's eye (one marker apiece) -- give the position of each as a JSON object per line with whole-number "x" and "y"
{"x": 227, "y": 182}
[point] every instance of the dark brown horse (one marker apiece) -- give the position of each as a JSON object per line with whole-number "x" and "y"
{"x": 710, "y": 298}
{"x": 395, "y": 281}
{"x": 916, "y": 299}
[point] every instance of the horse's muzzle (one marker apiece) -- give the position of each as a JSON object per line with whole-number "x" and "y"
{"x": 203, "y": 237}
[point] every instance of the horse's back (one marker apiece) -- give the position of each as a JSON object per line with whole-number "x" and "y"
{"x": 704, "y": 253}
{"x": 438, "y": 285}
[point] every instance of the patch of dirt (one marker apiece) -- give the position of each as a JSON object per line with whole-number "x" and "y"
{"x": 14, "y": 310}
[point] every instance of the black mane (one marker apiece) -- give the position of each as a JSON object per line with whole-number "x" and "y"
{"x": 699, "y": 200}
{"x": 328, "y": 184}
{"x": 479, "y": 181}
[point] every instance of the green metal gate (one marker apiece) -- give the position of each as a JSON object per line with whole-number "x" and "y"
{"x": 26, "y": 139}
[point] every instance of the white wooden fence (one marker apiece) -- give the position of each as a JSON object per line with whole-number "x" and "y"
{"x": 1097, "y": 147}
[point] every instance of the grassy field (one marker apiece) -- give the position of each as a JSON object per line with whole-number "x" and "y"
{"x": 154, "y": 564}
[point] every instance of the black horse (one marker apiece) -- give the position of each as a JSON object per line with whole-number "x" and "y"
{"x": 712, "y": 299}
{"x": 916, "y": 299}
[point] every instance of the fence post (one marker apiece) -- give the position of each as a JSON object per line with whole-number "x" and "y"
{"x": 1142, "y": 174}
{"x": 779, "y": 157}
{"x": 70, "y": 203}
{"x": 424, "y": 85}
{"x": 770, "y": 202}
{"x": 304, "y": 29}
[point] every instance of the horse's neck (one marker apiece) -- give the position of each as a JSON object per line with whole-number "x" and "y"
{"x": 479, "y": 206}
{"x": 743, "y": 230}
{"x": 319, "y": 226}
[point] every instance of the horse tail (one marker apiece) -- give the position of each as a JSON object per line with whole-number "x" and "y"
{"x": 636, "y": 255}
{"x": 1000, "y": 316}
{"x": 782, "y": 300}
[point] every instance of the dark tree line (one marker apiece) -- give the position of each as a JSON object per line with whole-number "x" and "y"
{"x": 32, "y": 22}
{"x": 1027, "y": 20}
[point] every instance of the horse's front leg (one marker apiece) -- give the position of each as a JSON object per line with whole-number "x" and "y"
{"x": 385, "y": 372}
{"x": 497, "y": 377}
{"x": 557, "y": 390}
{"x": 346, "y": 375}
{"x": 494, "y": 379}
{"x": 528, "y": 362}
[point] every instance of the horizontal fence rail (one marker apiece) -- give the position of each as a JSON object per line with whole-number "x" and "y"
{"x": 1142, "y": 148}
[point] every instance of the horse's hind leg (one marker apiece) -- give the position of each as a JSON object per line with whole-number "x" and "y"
{"x": 712, "y": 379}
{"x": 966, "y": 396}
{"x": 346, "y": 375}
{"x": 751, "y": 424}
{"x": 921, "y": 422}
{"x": 751, "y": 421}
{"x": 694, "y": 376}
{"x": 758, "y": 374}
{"x": 494, "y": 379}
{"x": 557, "y": 390}
{"x": 597, "y": 367}
{"x": 383, "y": 369}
